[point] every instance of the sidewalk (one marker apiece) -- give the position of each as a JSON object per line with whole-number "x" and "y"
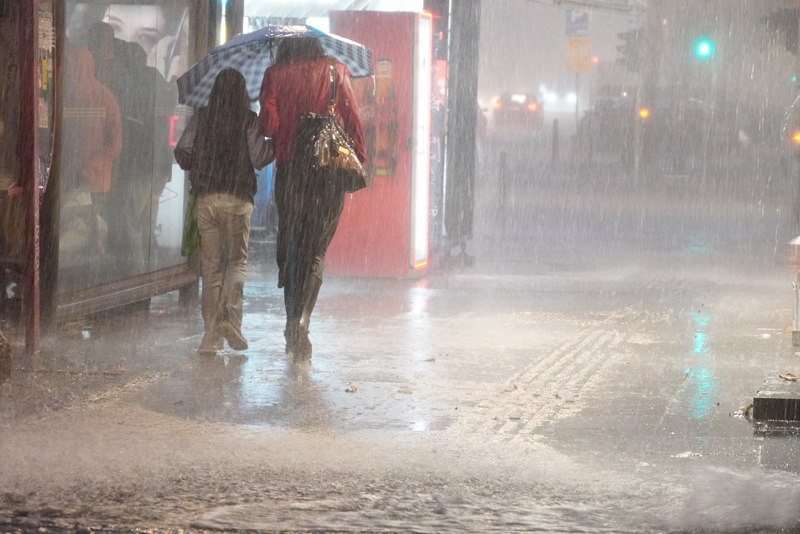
{"x": 584, "y": 375}
{"x": 609, "y": 391}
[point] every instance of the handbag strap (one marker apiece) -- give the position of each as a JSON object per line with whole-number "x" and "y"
{"x": 332, "y": 88}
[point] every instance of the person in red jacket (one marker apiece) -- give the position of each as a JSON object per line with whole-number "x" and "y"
{"x": 92, "y": 126}
{"x": 308, "y": 211}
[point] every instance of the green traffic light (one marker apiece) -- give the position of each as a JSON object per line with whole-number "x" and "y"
{"x": 704, "y": 49}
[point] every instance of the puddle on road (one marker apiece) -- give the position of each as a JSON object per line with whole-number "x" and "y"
{"x": 410, "y": 513}
{"x": 717, "y": 500}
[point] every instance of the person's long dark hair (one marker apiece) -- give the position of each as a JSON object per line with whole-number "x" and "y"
{"x": 221, "y": 123}
{"x": 297, "y": 49}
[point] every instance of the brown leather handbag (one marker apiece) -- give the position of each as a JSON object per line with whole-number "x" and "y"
{"x": 326, "y": 147}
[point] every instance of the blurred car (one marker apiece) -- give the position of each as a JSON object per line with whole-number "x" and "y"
{"x": 517, "y": 109}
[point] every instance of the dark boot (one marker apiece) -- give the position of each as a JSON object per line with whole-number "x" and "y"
{"x": 291, "y": 293}
{"x": 303, "y": 344}
{"x": 290, "y": 334}
{"x": 291, "y": 298}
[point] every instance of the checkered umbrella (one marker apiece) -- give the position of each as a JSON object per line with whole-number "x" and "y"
{"x": 252, "y": 53}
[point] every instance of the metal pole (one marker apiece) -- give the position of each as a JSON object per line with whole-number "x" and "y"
{"x": 795, "y": 312}
{"x": 576, "y": 103}
{"x": 29, "y": 167}
{"x": 554, "y": 156}
{"x": 501, "y": 185}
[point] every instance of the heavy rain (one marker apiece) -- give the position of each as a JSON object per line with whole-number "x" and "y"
{"x": 562, "y": 295}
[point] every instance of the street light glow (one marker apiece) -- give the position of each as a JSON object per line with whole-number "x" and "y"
{"x": 705, "y": 49}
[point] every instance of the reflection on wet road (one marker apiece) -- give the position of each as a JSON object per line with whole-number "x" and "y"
{"x": 581, "y": 376}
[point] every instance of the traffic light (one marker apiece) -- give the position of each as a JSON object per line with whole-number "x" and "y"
{"x": 704, "y": 49}
{"x": 630, "y": 49}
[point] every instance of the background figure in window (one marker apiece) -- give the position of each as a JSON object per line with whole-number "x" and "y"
{"x": 124, "y": 71}
{"x": 308, "y": 209}
{"x": 221, "y": 145}
{"x": 91, "y": 141}
{"x": 131, "y": 197}
{"x": 110, "y": 70}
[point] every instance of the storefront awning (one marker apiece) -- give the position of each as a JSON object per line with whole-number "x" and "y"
{"x": 631, "y": 7}
{"x": 320, "y": 8}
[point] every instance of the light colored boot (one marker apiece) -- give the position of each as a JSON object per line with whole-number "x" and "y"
{"x": 231, "y": 325}
{"x": 212, "y": 342}
{"x": 209, "y": 306}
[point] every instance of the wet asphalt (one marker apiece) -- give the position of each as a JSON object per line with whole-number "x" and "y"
{"x": 586, "y": 374}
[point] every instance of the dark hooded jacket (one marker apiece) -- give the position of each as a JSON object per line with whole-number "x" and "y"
{"x": 222, "y": 143}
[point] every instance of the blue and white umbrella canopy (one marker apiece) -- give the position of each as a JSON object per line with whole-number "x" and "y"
{"x": 253, "y": 52}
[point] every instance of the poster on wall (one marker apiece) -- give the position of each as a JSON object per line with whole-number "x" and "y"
{"x": 46, "y": 42}
{"x": 9, "y": 103}
{"x": 161, "y": 29}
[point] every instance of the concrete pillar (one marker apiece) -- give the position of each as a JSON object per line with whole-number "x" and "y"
{"x": 440, "y": 9}
{"x": 29, "y": 167}
{"x": 462, "y": 120}
{"x": 50, "y": 215}
{"x": 234, "y": 17}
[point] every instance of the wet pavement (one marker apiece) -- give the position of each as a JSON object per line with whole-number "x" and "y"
{"x": 583, "y": 376}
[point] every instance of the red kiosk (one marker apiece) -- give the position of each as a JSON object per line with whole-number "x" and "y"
{"x": 383, "y": 231}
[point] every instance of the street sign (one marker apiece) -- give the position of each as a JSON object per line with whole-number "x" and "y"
{"x": 578, "y": 57}
{"x": 577, "y": 23}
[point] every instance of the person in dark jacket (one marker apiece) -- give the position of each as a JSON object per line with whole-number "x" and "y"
{"x": 308, "y": 209}
{"x": 130, "y": 196}
{"x": 221, "y": 145}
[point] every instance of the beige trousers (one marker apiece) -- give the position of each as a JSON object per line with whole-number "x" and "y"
{"x": 224, "y": 223}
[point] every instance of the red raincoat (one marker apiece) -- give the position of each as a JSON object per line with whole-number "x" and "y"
{"x": 290, "y": 90}
{"x": 92, "y": 131}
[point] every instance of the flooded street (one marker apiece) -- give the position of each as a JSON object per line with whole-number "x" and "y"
{"x": 567, "y": 382}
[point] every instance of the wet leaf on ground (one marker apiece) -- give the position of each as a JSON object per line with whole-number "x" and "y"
{"x": 744, "y": 411}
